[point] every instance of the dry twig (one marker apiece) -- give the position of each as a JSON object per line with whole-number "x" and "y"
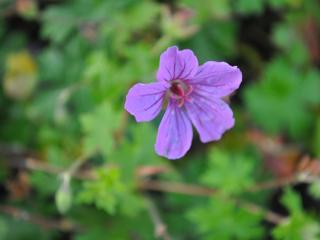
{"x": 179, "y": 188}
{"x": 160, "y": 227}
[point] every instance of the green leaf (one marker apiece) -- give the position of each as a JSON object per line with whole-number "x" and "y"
{"x": 286, "y": 94}
{"x": 3, "y": 228}
{"x": 108, "y": 192}
{"x": 52, "y": 65}
{"x": 287, "y": 38}
{"x": 103, "y": 191}
{"x": 45, "y": 184}
{"x": 98, "y": 127}
{"x": 215, "y": 43}
{"x": 277, "y": 3}
{"x": 205, "y": 9}
{"x": 311, "y": 88}
{"x": 314, "y": 189}
{"x": 221, "y": 175}
{"x": 132, "y": 19}
{"x": 140, "y": 148}
{"x": 299, "y": 225}
{"x": 43, "y": 104}
{"x": 316, "y": 143}
{"x": 98, "y": 69}
{"x": 222, "y": 219}
{"x": 249, "y": 7}
{"x": 58, "y": 24}
{"x": 292, "y": 201}
{"x": 283, "y": 35}
{"x": 297, "y": 229}
{"x": 18, "y": 229}
{"x": 119, "y": 228}
{"x": 93, "y": 234}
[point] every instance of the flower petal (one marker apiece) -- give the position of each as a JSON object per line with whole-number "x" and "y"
{"x": 174, "y": 134}
{"x": 217, "y": 78}
{"x": 210, "y": 116}
{"x": 144, "y": 101}
{"x": 175, "y": 64}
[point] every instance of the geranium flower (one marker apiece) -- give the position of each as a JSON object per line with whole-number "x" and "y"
{"x": 193, "y": 95}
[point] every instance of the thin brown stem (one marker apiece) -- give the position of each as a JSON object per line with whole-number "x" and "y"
{"x": 160, "y": 228}
{"x": 194, "y": 190}
{"x": 190, "y": 189}
{"x": 62, "y": 225}
{"x": 276, "y": 183}
{"x": 33, "y": 164}
{"x": 181, "y": 188}
{"x": 166, "y": 186}
{"x": 268, "y": 215}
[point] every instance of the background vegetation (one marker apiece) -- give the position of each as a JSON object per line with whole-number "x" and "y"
{"x": 74, "y": 165}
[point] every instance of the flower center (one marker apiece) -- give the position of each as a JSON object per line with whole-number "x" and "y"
{"x": 180, "y": 91}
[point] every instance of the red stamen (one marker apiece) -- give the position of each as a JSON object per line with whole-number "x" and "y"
{"x": 177, "y": 89}
{"x": 180, "y": 91}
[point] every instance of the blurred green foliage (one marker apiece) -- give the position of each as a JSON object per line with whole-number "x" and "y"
{"x": 107, "y": 191}
{"x": 218, "y": 173}
{"x": 299, "y": 225}
{"x": 65, "y": 69}
{"x": 96, "y": 126}
{"x": 218, "y": 216}
{"x": 287, "y": 95}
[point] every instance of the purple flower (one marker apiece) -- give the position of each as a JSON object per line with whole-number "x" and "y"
{"x": 193, "y": 94}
